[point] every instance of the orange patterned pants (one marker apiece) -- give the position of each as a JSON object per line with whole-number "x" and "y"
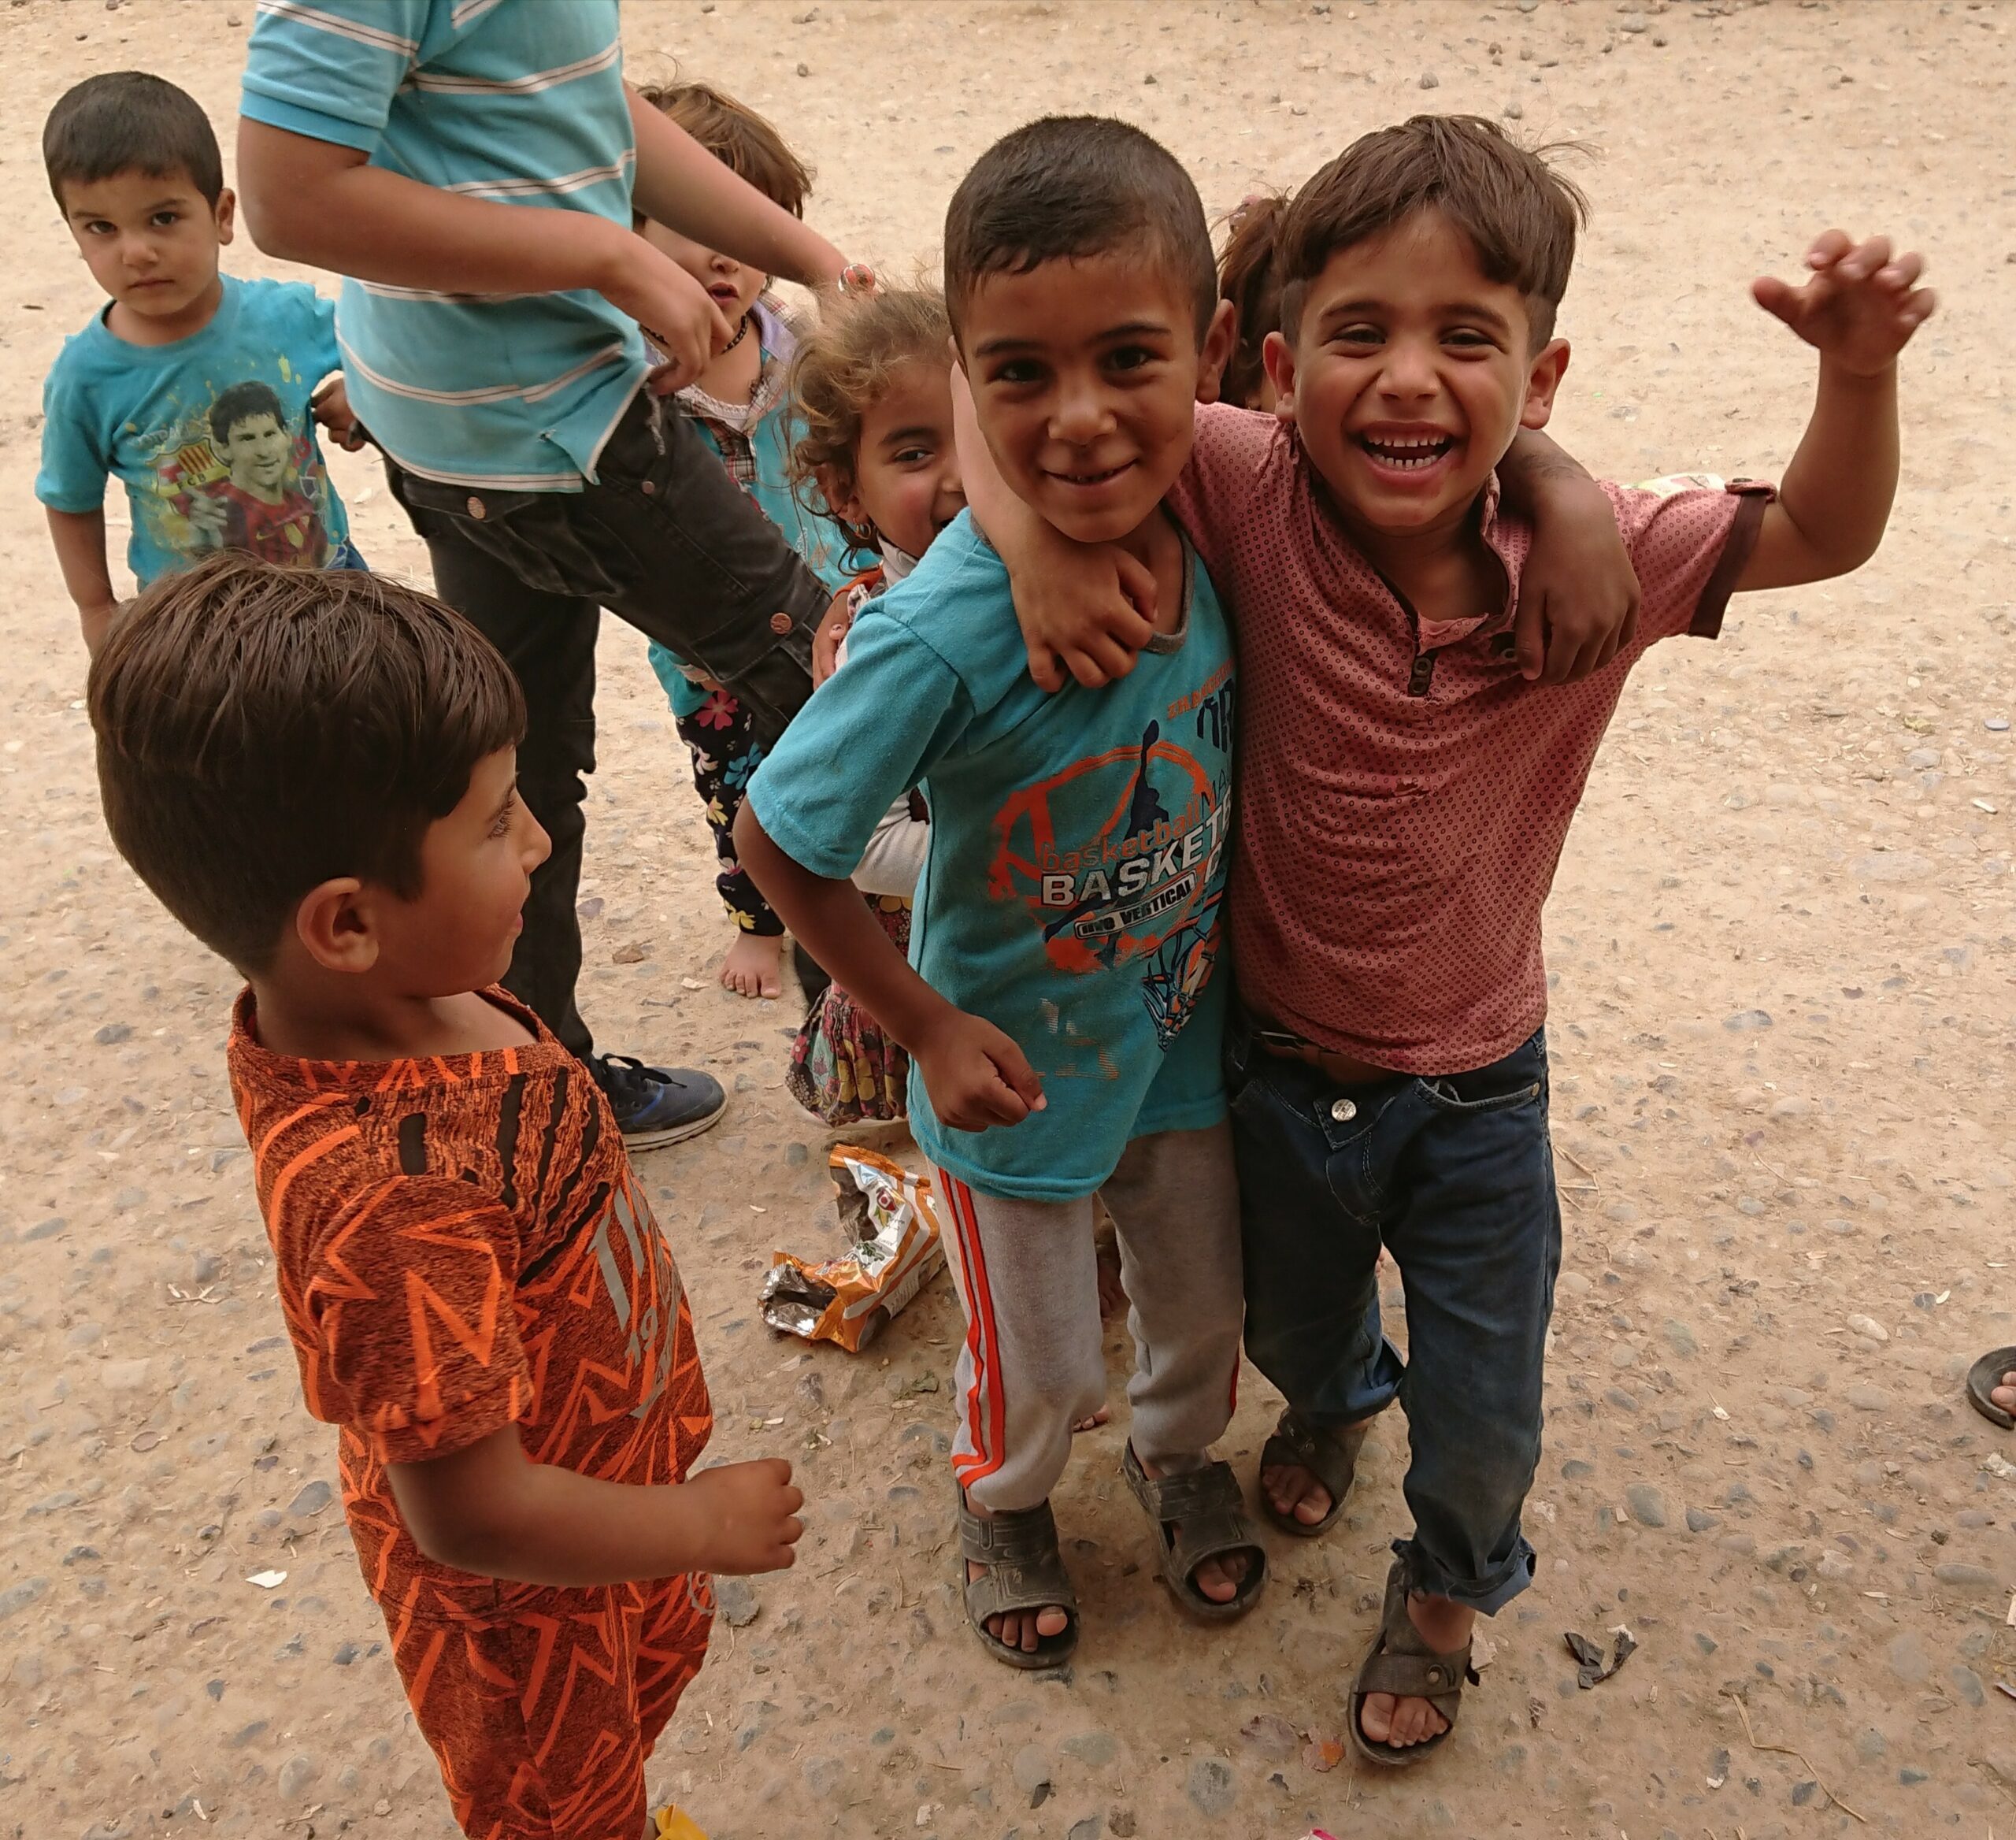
{"x": 541, "y": 1722}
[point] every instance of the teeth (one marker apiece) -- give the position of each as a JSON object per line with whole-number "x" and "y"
{"x": 1410, "y": 452}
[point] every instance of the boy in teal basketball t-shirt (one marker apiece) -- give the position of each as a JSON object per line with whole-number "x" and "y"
{"x": 1063, "y": 1018}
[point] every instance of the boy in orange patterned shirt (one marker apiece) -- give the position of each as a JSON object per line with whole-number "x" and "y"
{"x": 316, "y": 775}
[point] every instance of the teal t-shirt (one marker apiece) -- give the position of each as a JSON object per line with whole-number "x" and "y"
{"x": 1079, "y": 847}
{"x": 212, "y": 435}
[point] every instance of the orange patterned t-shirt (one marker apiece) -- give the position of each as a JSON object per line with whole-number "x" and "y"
{"x": 460, "y": 1245}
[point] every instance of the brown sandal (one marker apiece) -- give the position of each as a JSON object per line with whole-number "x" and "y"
{"x": 1403, "y": 1664}
{"x": 1025, "y": 1571}
{"x": 1983, "y": 1377}
{"x": 1203, "y": 1507}
{"x": 1330, "y": 1456}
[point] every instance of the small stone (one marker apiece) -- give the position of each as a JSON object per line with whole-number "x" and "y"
{"x": 1647, "y": 1505}
{"x": 1745, "y": 1020}
{"x": 1680, "y": 1338}
{"x": 1869, "y": 1744}
{"x": 1575, "y": 1284}
{"x": 1908, "y": 1659}
{"x": 16, "y": 1598}
{"x": 1623, "y": 1355}
{"x": 1865, "y": 1398}
{"x": 1211, "y": 1787}
{"x": 113, "y": 1033}
{"x": 1700, "y": 1521}
{"x": 313, "y": 1497}
{"x": 1909, "y": 1776}
{"x": 1030, "y": 1769}
{"x": 346, "y": 1653}
{"x": 824, "y": 1775}
{"x": 1429, "y": 80}
{"x": 1834, "y": 1567}
{"x": 1803, "y": 1792}
{"x": 1514, "y": 111}
{"x": 796, "y": 1155}
{"x": 1705, "y": 1643}
{"x": 1869, "y": 1326}
{"x": 1969, "y": 1684}
{"x": 1120, "y": 1823}
{"x": 245, "y": 1734}
{"x": 736, "y": 1599}
{"x": 45, "y": 1229}
{"x": 1094, "y": 1749}
{"x": 1975, "y": 1579}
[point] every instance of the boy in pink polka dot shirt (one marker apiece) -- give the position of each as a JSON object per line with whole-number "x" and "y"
{"x": 1405, "y": 790}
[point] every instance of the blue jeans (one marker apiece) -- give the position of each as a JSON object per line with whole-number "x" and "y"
{"x": 1455, "y": 1175}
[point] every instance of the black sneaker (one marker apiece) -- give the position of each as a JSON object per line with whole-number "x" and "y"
{"x": 659, "y": 1105}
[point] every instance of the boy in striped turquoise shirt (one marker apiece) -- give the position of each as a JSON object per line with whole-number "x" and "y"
{"x": 472, "y": 166}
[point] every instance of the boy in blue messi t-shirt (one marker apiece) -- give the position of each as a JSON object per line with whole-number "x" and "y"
{"x": 1062, "y": 1017}
{"x": 198, "y": 391}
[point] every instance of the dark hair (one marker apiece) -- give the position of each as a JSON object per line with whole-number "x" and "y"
{"x": 240, "y": 403}
{"x": 737, "y": 136}
{"x": 1520, "y": 215}
{"x": 260, "y": 730}
{"x": 1071, "y": 185}
{"x": 840, "y": 372}
{"x": 1249, "y": 276}
{"x": 127, "y": 121}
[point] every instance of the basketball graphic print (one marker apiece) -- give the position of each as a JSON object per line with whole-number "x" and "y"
{"x": 1115, "y": 859}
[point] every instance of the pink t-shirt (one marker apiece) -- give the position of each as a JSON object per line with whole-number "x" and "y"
{"x": 1402, "y": 793}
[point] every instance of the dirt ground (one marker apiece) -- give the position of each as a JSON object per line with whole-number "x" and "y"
{"x": 1782, "y": 959}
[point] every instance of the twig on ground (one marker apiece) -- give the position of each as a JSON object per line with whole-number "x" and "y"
{"x": 1562, "y": 1150}
{"x": 1785, "y": 1750}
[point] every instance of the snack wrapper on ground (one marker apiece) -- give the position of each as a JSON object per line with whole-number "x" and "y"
{"x": 897, "y": 1250}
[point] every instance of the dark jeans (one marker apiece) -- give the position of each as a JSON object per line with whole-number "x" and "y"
{"x": 665, "y": 540}
{"x": 1455, "y": 1175}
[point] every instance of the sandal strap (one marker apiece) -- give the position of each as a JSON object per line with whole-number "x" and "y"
{"x": 1209, "y": 1513}
{"x": 1330, "y": 1456}
{"x": 1024, "y": 1568}
{"x": 1430, "y": 1677}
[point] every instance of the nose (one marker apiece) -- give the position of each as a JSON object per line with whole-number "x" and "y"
{"x": 538, "y": 846}
{"x": 1080, "y": 414}
{"x": 1409, "y": 371}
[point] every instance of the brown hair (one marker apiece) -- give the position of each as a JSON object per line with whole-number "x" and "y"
{"x": 1068, "y": 186}
{"x": 129, "y": 121}
{"x": 737, "y": 136}
{"x": 1521, "y": 216}
{"x": 841, "y": 372}
{"x": 260, "y": 730}
{"x": 1249, "y": 276}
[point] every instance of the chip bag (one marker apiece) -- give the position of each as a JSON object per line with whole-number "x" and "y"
{"x": 896, "y": 1250}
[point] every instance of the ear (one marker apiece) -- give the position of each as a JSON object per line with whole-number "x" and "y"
{"x": 334, "y": 924}
{"x": 1541, "y": 381}
{"x": 226, "y": 214}
{"x": 1277, "y": 359}
{"x": 1219, "y": 337}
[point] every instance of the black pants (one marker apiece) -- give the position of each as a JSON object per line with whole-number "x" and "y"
{"x": 665, "y": 540}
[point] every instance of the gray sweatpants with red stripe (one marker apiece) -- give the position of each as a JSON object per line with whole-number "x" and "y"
{"x": 1033, "y": 1362}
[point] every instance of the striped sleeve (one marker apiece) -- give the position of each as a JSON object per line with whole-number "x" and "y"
{"x": 328, "y": 69}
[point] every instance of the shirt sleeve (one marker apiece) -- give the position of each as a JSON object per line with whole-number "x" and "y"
{"x": 408, "y": 1321}
{"x": 870, "y": 732}
{"x": 1688, "y": 539}
{"x": 1210, "y": 494}
{"x": 75, "y": 467}
{"x": 330, "y": 70}
{"x": 319, "y": 356}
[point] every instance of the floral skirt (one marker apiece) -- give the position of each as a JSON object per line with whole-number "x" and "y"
{"x": 843, "y": 1069}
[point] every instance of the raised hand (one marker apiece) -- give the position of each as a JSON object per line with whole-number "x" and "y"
{"x": 1859, "y": 306}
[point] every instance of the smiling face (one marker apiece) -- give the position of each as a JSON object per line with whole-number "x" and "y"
{"x": 150, "y": 241}
{"x": 1085, "y": 374}
{"x": 905, "y": 481}
{"x": 255, "y": 450}
{"x": 1409, "y": 374}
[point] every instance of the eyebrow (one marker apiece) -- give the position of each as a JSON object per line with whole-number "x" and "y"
{"x": 1470, "y": 309}
{"x": 1128, "y": 329}
{"x": 924, "y": 429}
{"x": 174, "y": 198}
